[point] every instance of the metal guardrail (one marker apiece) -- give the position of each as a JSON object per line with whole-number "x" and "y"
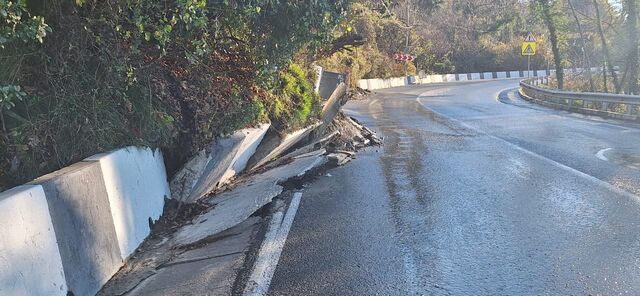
{"x": 603, "y": 104}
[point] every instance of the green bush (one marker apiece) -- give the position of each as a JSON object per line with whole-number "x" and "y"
{"x": 296, "y": 102}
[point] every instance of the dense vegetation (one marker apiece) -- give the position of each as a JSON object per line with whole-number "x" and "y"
{"x": 79, "y": 77}
{"x": 460, "y": 36}
{"x": 446, "y": 36}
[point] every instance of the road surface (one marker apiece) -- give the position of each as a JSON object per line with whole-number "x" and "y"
{"x": 472, "y": 195}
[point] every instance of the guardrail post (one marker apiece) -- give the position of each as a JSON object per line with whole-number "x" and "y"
{"x": 605, "y": 106}
{"x": 630, "y": 109}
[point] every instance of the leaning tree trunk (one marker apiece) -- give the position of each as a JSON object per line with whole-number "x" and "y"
{"x": 547, "y": 15}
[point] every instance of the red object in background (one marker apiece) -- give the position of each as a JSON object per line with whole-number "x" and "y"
{"x": 403, "y": 57}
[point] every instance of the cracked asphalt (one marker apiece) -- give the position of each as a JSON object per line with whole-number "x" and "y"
{"x": 472, "y": 195}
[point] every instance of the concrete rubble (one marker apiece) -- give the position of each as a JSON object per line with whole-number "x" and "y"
{"x": 205, "y": 249}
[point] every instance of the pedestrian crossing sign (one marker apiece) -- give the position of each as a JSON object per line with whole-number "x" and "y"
{"x": 529, "y": 48}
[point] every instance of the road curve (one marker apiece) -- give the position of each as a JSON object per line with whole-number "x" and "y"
{"x": 474, "y": 193}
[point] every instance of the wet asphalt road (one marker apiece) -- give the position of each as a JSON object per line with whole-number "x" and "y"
{"x": 472, "y": 195}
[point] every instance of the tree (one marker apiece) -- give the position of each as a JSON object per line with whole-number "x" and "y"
{"x": 583, "y": 39}
{"x": 549, "y": 19}
{"x": 608, "y": 64}
{"x": 631, "y": 7}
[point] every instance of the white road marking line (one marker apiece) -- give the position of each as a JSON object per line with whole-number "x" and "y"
{"x": 540, "y": 157}
{"x": 269, "y": 254}
{"x": 601, "y": 153}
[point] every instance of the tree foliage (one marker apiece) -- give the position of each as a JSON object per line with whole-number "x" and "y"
{"x": 94, "y": 75}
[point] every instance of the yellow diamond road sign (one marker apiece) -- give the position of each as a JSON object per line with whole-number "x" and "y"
{"x": 529, "y": 48}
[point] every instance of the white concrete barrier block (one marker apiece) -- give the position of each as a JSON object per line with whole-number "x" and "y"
{"x": 475, "y": 76}
{"x": 487, "y": 75}
{"x": 449, "y": 77}
{"x": 437, "y": 78}
{"x": 514, "y": 74}
{"x": 81, "y": 216}
{"x": 462, "y": 77}
{"x": 398, "y": 81}
{"x": 502, "y": 74}
{"x": 375, "y": 83}
{"x": 30, "y": 262}
{"x": 136, "y": 183}
{"x": 362, "y": 84}
{"x": 252, "y": 138}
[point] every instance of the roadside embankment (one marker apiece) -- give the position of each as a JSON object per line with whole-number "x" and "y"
{"x": 71, "y": 230}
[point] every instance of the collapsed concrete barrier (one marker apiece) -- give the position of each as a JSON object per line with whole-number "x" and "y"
{"x": 212, "y": 167}
{"x": 329, "y": 82}
{"x": 83, "y": 221}
{"x": 275, "y": 144}
{"x": 330, "y": 109}
{"x": 30, "y": 262}
{"x": 235, "y": 206}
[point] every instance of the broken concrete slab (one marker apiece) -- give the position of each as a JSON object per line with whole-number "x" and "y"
{"x": 210, "y": 168}
{"x": 310, "y": 148}
{"x": 83, "y": 223}
{"x": 184, "y": 180}
{"x": 210, "y": 269}
{"x": 333, "y": 104}
{"x": 207, "y": 172}
{"x": 234, "y": 206}
{"x": 253, "y": 138}
{"x": 274, "y": 145}
{"x": 331, "y": 108}
{"x": 339, "y": 159}
{"x": 30, "y": 262}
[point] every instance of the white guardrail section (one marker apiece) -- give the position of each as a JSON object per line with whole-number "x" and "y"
{"x": 377, "y": 83}
{"x": 604, "y": 104}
